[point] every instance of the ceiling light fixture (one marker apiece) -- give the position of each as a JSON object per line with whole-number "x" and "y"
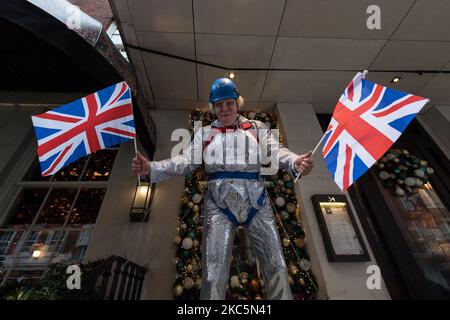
{"x": 396, "y": 79}
{"x": 231, "y": 75}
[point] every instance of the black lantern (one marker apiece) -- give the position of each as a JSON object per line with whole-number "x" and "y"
{"x": 142, "y": 201}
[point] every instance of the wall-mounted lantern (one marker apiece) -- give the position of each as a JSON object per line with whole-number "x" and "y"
{"x": 142, "y": 201}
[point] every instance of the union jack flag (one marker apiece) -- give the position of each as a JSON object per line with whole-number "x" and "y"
{"x": 74, "y": 130}
{"x": 367, "y": 120}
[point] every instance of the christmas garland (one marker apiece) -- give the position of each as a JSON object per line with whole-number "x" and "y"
{"x": 243, "y": 284}
{"x": 403, "y": 172}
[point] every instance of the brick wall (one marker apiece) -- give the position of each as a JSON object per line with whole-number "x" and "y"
{"x": 98, "y": 9}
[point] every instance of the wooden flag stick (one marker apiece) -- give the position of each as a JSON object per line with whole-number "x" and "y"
{"x": 312, "y": 155}
{"x": 136, "y": 151}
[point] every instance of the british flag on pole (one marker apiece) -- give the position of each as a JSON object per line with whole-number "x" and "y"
{"x": 366, "y": 121}
{"x": 74, "y": 130}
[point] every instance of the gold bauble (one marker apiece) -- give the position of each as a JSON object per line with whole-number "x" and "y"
{"x": 293, "y": 269}
{"x": 198, "y": 175}
{"x": 198, "y": 283}
{"x": 243, "y": 276}
{"x": 177, "y": 239}
{"x": 286, "y": 242}
{"x": 189, "y": 268}
{"x": 190, "y": 204}
{"x": 196, "y": 208}
{"x": 301, "y": 282}
{"x": 178, "y": 290}
{"x": 290, "y": 207}
{"x": 188, "y": 283}
{"x": 291, "y": 280}
{"x": 195, "y": 243}
{"x": 299, "y": 242}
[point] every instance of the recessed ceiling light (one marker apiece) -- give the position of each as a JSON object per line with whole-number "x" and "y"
{"x": 231, "y": 75}
{"x": 396, "y": 79}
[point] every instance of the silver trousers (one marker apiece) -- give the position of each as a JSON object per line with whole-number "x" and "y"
{"x": 217, "y": 244}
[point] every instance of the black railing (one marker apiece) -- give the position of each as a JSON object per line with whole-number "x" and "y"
{"x": 116, "y": 278}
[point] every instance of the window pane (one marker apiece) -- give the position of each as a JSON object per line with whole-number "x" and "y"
{"x": 55, "y": 240}
{"x": 5, "y": 240}
{"x": 28, "y": 203}
{"x": 24, "y": 274}
{"x": 10, "y": 247}
{"x": 424, "y": 222}
{"x": 30, "y": 240}
{"x": 72, "y": 172}
{"x": 87, "y": 206}
{"x": 100, "y": 165}
{"x": 57, "y": 206}
{"x": 72, "y": 252}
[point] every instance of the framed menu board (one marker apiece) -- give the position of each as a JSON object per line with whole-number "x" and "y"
{"x": 340, "y": 233}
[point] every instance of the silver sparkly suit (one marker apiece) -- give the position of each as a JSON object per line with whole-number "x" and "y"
{"x": 237, "y": 196}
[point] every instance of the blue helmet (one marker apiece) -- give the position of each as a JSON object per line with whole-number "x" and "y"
{"x": 223, "y": 88}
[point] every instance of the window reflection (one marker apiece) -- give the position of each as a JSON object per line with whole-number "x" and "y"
{"x": 87, "y": 206}
{"x": 424, "y": 222}
{"x": 27, "y": 206}
{"x": 57, "y": 206}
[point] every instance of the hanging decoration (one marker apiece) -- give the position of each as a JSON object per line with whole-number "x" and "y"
{"x": 403, "y": 172}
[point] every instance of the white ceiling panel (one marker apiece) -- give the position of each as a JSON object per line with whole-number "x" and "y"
{"x": 128, "y": 35}
{"x": 250, "y": 83}
{"x": 162, "y": 15}
{"x": 438, "y": 90}
{"x": 409, "y": 82}
{"x": 305, "y": 86}
{"x": 250, "y": 17}
{"x": 427, "y": 20}
{"x": 320, "y": 53}
{"x": 322, "y": 36}
{"x": 341, "y": 19}
{"x": 233, "y": 51}
{"x": 138, "y": 64}
{"x": 447, "y": 67}
{"x": 171, "y": 78}
{"x": 180, "y": 44}
{"x": 413, "y": 55}
{"x": 122, "y": 9}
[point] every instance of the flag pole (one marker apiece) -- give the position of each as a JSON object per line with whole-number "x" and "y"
{"x": 136, "y": 151}
{"x": 312, "y": 155}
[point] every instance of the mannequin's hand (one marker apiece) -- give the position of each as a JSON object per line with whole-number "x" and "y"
{"x": 140, "y": 164}
{"x": 304, "y": 163}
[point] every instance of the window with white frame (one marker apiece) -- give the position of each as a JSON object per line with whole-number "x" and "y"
{"x": 114, "y": 33}
{"x": 57, "y": 213}
{"x": 5, "y": 241}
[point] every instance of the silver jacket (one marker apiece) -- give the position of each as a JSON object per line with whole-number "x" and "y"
{"x": 219, "y": 188}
